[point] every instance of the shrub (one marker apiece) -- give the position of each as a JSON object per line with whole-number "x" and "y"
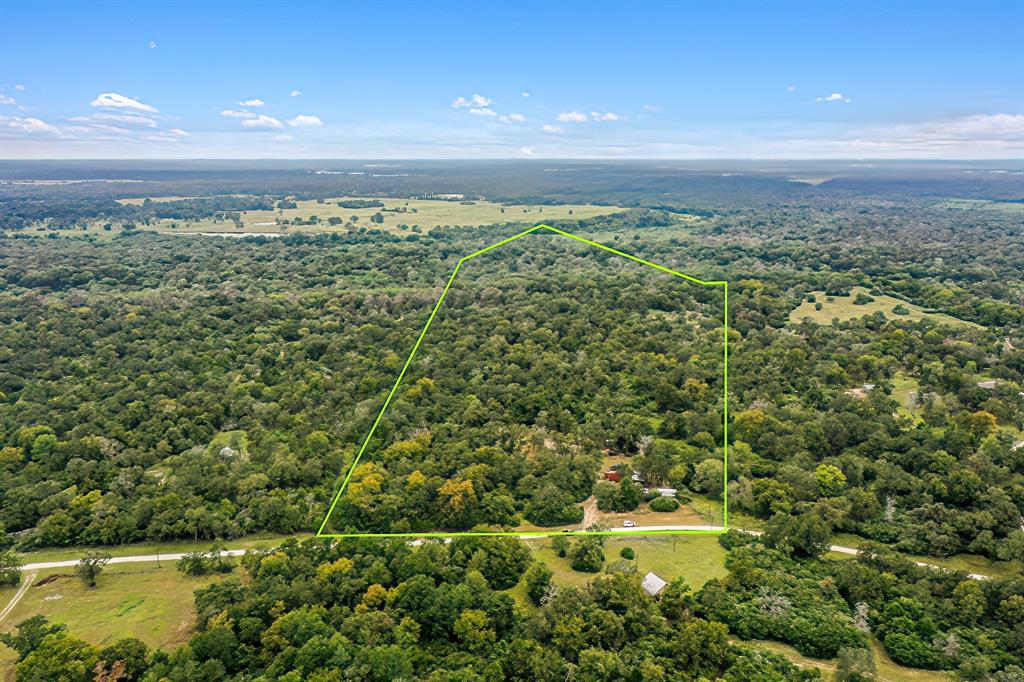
{"x": 588, "y": 554}
{"x": 627, "y": 553}
{"x": 560, "y": 544}
{"x": 664, "y": 504}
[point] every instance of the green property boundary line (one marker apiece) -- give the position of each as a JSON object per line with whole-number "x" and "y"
{"x": 711, "y": 530}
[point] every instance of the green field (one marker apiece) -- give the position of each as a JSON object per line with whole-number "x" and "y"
{"x": 1007, "y": 207}
{"x": 130, "y": 600}
{"x": 144, "y": 548}
{"x": 698, "y": 558}
{"x": 887, "y": 670}
{"x": 844, "y": 309}
{"x": 426, "y": 214}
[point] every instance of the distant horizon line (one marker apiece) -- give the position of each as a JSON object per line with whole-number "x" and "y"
{"x": 523, "y": 160}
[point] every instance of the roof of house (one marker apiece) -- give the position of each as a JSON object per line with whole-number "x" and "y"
{"x": 652, "y": 584}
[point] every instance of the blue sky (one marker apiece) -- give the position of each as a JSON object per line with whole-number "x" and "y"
{"x": 536, "y": 80}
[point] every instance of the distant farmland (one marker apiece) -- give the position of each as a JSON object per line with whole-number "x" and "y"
{"x": 399, "y": 215}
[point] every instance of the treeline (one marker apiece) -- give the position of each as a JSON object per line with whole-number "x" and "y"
{"x": 380, "y": 612}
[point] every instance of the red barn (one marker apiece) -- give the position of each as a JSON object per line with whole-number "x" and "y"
{"x": 612, "y": 475}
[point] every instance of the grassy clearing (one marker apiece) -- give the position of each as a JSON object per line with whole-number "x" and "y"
{"x": 425, "y": 214}
{"x": 887, "y": 669}
{"x": 693, "y": 557}
{"x": 643, "y": 516}
{"x": 145, "y": 548}
{"x": 1008, "y": 207}
{"x": 130, "y": 600}
{"x": 844, "y": 309}
{"x": 904, "y": 391}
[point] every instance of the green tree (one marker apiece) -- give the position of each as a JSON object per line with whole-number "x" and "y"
{"x": 29, "y": 634}
{"x": 90, "y": 566}
{"x": 538, "y": 581}
{"x": 831, "y": 480}
{"x": 10, "y": 568}
{"x": 59, "y": 658}
{"x": 587, "y": 554}
{"x": 803, "y": 535}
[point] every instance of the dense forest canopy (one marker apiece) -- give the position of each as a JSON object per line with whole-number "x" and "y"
{"x": 156, "y": 387}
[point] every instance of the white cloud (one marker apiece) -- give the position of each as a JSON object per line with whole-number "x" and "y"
{"x": 553, "y": 130}
{"x": 231, "y": 113}
{"x": 791, "y": 88}
{"x": 295, "y": 93}
{"x": 255, "y": 102}
{"x": 482, "y": 111}
{"x": 572, "y": 117}
{"x": 133, "y": 119}
{"x": 283, "y": 138}
{"x": 19, "y": 87}
{"x": 834, "y": 97}
{"x": 4, "y": 99}
{"x": 31, "y": 125}
{"x": 112, "y": 100}
{"x": 262, "y": 121}
{"x": 512, "y": 118}
{"x": 152, "y": 44}
{"x": 178, "y": 132}
{"x": 652, "y": 107}
{"x": 302, "y": 121}
{"x": 527, "y": 151}
{"x": 607, "y": 116}
{"x": 477, "y": 102}
{"x": 526, "y": 94}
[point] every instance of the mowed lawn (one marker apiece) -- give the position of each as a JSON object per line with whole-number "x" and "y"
{"x": 844, "y": 309}
{"x": 130, "y": 600}
{"x": 697, "y": 558}
{"x": 424, "y": 213}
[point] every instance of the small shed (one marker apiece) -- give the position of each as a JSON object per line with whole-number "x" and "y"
{"x": 653, "y": 585}
{"x": 988, "y": 385}
{"x": 612, "y": 475}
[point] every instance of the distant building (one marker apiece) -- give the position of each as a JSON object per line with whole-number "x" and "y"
{"x": 988, "y": 385}
{"x": 612, "y": 475}
{"x": 666, "y": 492}
{"x": 652, "y": 584}
{"x": 868, "y": 387}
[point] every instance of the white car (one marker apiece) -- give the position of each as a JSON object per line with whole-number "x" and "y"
{"x": 629, "y": 524}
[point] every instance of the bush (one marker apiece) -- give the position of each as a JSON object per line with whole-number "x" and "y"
{"x": 665, "y": 504}
{"x": 538, "y": 581}
{"x": 560, "y": 544}
{"x": 588, "y": 554}
{"x": 627, "y": 553}
{"x": 201, "y": 563}
{"x": 10, "y": 569}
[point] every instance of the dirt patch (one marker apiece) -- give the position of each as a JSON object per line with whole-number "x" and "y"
{"x": 51, "y": 578}
{"x": 643, "y": 516}
{"x": 591, "y": 514}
